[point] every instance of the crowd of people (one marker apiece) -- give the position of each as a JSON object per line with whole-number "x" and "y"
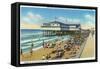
{"x": 73, "y": 45}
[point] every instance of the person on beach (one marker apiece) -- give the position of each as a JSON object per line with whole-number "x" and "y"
{"x": 57, "y": 55}
{"x": 44, "y": 44}
{"x": 59, "y": 48}
{"x": 65, "y": 46}
{"x": 72, "y": 41}
{"x": 48, "y": 56}
{"x": 32, "y": 45}
{"x": 21, "y": 52}
{"x": 92, "y": 33}
{"x": 43, "y": 57}
{"x": 31, "y": 51}
{"x": 69, "y": 47}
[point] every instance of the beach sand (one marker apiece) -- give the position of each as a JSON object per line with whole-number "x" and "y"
{"x": 38, "y": 54}
{"x": 88, "y": 51}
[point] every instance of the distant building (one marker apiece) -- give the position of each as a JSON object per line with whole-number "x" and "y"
{"x": 55, "y": 25}
{"x": 55, "y": 28}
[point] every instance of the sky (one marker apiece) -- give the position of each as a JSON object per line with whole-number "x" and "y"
{"x": 39, "y": 15}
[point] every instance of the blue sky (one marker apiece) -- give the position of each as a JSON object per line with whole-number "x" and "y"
{"x": 37, "y": 15}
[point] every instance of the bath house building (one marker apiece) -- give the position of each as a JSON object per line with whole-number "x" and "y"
{"x": 59, "y": 28}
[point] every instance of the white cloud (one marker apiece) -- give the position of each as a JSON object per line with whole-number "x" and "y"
{"x": 89, "y": 21}
{"x": 90, "y": 17}
{"x": 73, "y": 20}
{"x": 68, "y": 20}
{"x": 62, "y": 18}
{"x": 32, "y": 18}
{"x": 25, "y": 19}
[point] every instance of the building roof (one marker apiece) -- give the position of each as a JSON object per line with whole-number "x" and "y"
{"x": 63, "y": 23}
{"x": 57, "y": 22}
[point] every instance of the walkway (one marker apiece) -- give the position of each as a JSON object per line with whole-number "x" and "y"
{"x": 89, "y": 47}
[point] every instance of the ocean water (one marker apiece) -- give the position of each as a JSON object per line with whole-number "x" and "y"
{"x": 29, "y": 36}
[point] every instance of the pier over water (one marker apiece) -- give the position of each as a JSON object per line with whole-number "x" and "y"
{"x": 59, "y": 28}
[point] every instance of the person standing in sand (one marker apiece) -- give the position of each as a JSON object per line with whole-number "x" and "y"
{"x": 21, "y": 52}
{"x": 43, "y": 57}
{"x": 31, "y": 51}
{"x": 48, "y": 56}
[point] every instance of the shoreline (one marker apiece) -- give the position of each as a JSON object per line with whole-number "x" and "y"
{"x": 46, "y": 41}
{"x": 38, "y": 54}
{"x": 42, "y": 52}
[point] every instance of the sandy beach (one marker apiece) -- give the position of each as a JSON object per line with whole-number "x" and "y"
{"x": 38, "y": 54}
{"x": 87, "y": 50}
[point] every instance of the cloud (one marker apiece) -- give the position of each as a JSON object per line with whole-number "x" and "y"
{"x": 73, "y": 20}
{"x": 90, "y": 19}
{"x": 62, "y": 18}
{"x": 32, "y": 18}
{"x": 68, "y": 20}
